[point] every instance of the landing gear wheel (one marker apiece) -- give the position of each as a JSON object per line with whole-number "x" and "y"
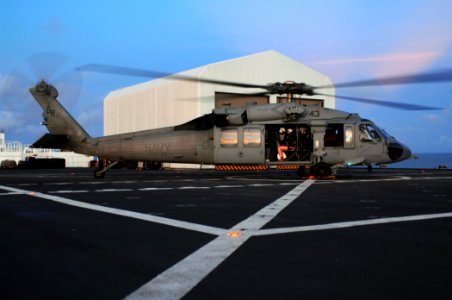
{"x": 321, "y": 169}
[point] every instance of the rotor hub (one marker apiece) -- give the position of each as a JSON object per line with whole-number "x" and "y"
{"x": 291, "y": 87}
{"x": 42, "y": 87}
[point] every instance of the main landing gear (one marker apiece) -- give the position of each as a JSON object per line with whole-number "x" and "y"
{"x": 102, "y": 167}
{"x": 320, "y": 169}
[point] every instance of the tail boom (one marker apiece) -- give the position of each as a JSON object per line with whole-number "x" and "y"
{"x": 58, "y": 120}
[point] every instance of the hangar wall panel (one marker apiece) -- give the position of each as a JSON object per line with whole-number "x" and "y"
{"x": 148, "y": 106}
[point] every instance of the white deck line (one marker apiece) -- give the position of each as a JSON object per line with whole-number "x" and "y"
{"x": 121, "y": 212}
{"x": 178, "y": 280}
{"x": 349, "y": 224}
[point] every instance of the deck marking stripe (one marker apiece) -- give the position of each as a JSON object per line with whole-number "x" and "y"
{"x": 156, "y": 189}
{"x": 121, "y": 212}
{"x": 179, "y": 279}
{"x": 112, "y": 190}
{"x": 12, "y": 193}
{"x": 68, "y": 191}
{"x": 227, "y": 186}
{"x": 193, "y": 188}
{"x": 349, "y": 224}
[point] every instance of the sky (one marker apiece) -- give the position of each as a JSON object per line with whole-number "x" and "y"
{"x": 346, "y": 40}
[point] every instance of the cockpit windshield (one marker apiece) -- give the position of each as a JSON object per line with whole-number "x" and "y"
{"x": 385, "y": 134}
{"x": 369, "y": 133}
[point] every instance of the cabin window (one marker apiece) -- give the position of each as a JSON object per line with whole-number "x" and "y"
{"x": 229, "y": 137}
{"x": 251, "y": 137}
{"x": 334, "y": 135}
{"x": 348, "y": 136}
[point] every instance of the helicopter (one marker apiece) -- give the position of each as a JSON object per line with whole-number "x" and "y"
{"x": 313, "y": 138}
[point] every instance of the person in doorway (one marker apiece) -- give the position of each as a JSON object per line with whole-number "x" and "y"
{"x": 304, "y": 143}
{"x": 282, "y": 144}
{"x": 289, "y": 142}
{"x": 303, "y": 138}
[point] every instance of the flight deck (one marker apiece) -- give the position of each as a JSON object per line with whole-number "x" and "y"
{"x": 205, "y": 234}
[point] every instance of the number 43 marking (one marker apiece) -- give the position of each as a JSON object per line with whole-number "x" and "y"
{"x": 315, "y": 113}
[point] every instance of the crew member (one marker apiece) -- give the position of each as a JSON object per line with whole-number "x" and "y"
{"x": 281, "y": 144}
{"x": 288, "y": 143}
{"x": 363, "y": 134}
{"x": 304, "y": 143}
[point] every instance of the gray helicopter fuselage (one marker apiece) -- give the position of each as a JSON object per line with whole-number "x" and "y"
{"x": 245, "y": 135}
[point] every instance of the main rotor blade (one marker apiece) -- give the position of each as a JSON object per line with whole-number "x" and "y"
{"x": 438, "y": 76}
{"x": 444, "y": 75}
{"x": 110, "y": 69}
{"x": 397, "y": 105}
{"x": 46, "y": 65}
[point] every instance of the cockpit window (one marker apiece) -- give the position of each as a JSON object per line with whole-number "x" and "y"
{"x": 385, "y": 134}
{"x": 368, "y": 133}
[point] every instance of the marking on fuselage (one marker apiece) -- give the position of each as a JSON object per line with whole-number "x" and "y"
{"x": 157, "y": 148}
{"x": 50, "y": 111}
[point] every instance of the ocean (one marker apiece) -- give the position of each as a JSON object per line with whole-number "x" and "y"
{"x": 425, "y": 161}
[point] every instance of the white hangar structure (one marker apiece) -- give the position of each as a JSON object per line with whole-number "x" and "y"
{"x": 168, "y": 102}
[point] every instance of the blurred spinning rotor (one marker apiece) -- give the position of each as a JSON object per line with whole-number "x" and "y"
{"x": 292, "y": 88}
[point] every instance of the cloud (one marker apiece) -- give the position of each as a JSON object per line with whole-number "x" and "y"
{"x": 445, "y": 139}
{"x": 53, "y": 26}
{"x": 431, "y": 34}
{"x": 32, "y": 130}
{"x": 8, "y": 120}
{"x": 405, "y": 57}
{"x": 379, "y": 65}
{"x": 91, "y": 117}
{"x": 447, "y": 111}
{"x": 435, "y": 119}
{"x": 7, "y": 83}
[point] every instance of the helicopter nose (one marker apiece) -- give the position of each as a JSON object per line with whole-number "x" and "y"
{"x": 398, "y": 152}
{"x": 406, "y": 153}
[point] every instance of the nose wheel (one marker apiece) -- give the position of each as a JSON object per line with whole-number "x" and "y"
{"x": 321, "y": 169}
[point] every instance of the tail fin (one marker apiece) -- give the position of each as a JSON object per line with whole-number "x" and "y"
{"x": 61, "y": 125}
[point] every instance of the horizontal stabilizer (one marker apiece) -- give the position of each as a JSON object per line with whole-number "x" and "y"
{"x": 51, "y": 141}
